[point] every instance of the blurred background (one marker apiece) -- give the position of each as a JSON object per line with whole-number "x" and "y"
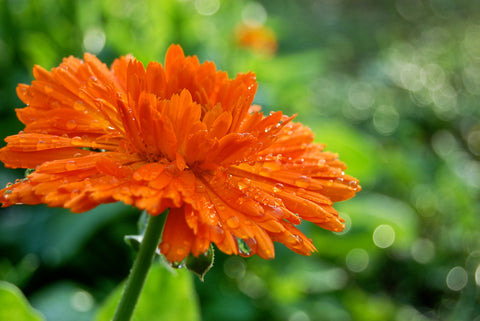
{"x": 392, "y": 86}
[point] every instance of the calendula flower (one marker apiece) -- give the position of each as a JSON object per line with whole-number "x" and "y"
{"x": 182, "y": 137}
{"x": 258, "y": 38}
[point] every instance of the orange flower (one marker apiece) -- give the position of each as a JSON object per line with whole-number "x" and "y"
{"x": 183, "y": 137}
{"x": 259, "y": 39}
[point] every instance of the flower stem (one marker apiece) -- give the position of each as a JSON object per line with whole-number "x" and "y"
{"x": 139, "y": 271}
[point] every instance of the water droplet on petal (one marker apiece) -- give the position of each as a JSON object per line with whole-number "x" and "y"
{"x": 278, "y": 188}
{"x": 299, "y": 161}
{"x": 48, "y": 89}
{"x": 217, "y": 234}
{"x": 76, "y": 141}
{"x": 353, "y": 185}
{"x": 243, "y": 247}
{"x": 233, "y": 222}
{"x": 71, "y": 166}
{"x": 329, "y": 182}
{"x": 243, "y": 184}
{"x": 293, "y": 239}
{"x": 79, "y": 105}
{"x": 181, "y": 251}
{"x": 165, "y": 247}
{"x": 275, "y": 212}
{"x": 302, "y": 181}
{"x": 71, "y": 124}
{"x": 41, "y": 144}
{"x": 266, "y": 171}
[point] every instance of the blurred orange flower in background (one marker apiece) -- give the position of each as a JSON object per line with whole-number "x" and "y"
{"x": 182, "y": 137}
{"x": 257, "y": 38}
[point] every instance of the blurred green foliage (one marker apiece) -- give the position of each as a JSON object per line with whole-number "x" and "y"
{"x": 167, "y": 295}
{"x": 15, "y": 306}
{"x": 392, "y": 86}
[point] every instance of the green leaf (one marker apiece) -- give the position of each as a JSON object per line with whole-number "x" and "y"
{"x": 202, "y": 264}
{"x": 14, "y": 305}
{"x": 64, "y": 301}
{"x": 165, "y": 296}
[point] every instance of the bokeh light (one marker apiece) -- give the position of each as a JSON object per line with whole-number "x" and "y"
{"x": 357, "y": 260}
{"x": 457, "y": 278}
{"x": 384, "y": 236}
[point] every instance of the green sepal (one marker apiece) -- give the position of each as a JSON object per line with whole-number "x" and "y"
{"x": 142, "y": 222}
{"x": 202, "y": 264}
{"x": 134, "y": 242}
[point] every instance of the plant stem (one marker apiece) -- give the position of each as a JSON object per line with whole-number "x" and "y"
{"x": 139, "y": 271}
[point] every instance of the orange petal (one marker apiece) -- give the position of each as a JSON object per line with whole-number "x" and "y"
{"x": 177, "y": 237}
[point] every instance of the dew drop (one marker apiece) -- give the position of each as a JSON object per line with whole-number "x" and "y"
{"x": 217, "y": 234}
{"x": 278, "y": 188}
{"x": 23, "y": 90}
{"x": 243, "y": 247}
{"x": 181, "y": 251}
{"x": 76, "y": 141}
{"x": 293, "y": 239}
{"x": 340, "y": 179}
{"x": 165, "y": 247}
{"x": 353, "y": 185}
{"x": 71, "y": 124}
{"x": 243, "y": 184}
{"x": 275, "y": 212}
{"x": 71, "y": 166}
{"x": 329, "y": 182}
{"x": 302, "y": 181}
{"x": 41, "y": 145}
{"x": 266, "y": 171}
{"x": 233, "y": 222}
{"x": 299, "y": 161}
{"x": 273, "y": 165}
{"x": 178, "y": 265}
{"x": 22, "y": 139}
{"x": 48, "y": 89}
{"x": 79, "y": 105}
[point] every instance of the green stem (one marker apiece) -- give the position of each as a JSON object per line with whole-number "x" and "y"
{"x": 139, "y": 271}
